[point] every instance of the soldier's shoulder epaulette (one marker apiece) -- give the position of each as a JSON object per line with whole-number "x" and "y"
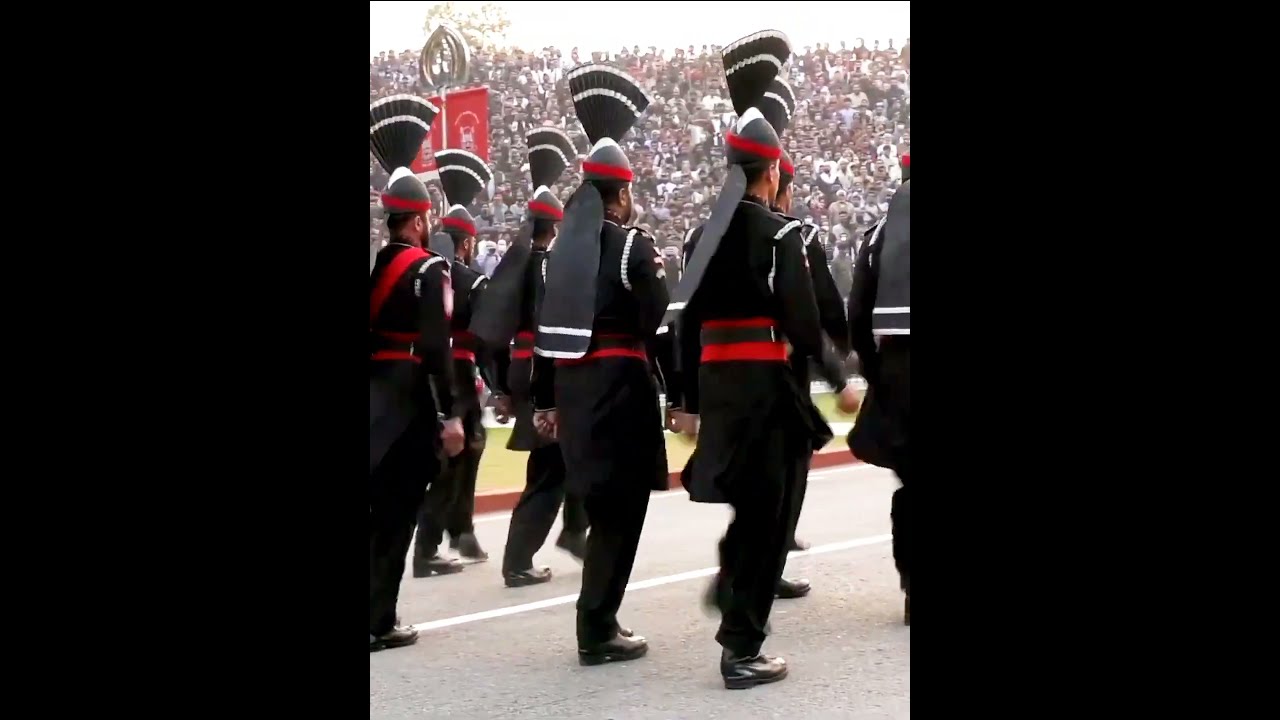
{"x": 808, "y": 231}
{"x": 432, "y": 260}
{"x": 780, "y": 225}
{"x": 467, "y": 276}
{"x": 640, "y": 232}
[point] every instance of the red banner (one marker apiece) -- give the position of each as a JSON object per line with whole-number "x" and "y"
{"x": 463, "y": 124}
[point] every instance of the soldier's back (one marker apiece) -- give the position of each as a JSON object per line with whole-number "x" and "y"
{"x": 617, "y": 311}
{"x": 737, "y": 282}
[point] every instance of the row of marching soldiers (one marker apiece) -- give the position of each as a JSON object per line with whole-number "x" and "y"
{"x": 577, "y": 341}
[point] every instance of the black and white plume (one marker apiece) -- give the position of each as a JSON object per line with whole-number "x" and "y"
{"x": 607, "y": 101}
{"x": 463, "y": 176}
{"x": 751, "y": 64}
{"x": 398, "y": 125}
{"x": 551, "y": 152}
{"x": 778, "y": 105}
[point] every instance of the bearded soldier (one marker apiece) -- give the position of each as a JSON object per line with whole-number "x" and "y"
{"x": 411, "y": 407}
{"x": 450, "y": 503}
{"x": 508, "y": 315}
{"x": 593, "y": 384}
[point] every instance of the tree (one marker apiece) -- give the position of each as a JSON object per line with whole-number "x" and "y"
{"x": 483, "y": 26}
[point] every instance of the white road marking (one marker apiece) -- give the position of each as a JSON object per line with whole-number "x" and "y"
{"x": 824, "y": 474}
{"x": 641, "y": 585}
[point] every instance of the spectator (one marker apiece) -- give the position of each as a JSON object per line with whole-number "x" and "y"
{"x": 842, "y": 267}
{"x": 851, "y": 124}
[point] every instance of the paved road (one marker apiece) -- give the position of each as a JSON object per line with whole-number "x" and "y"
{"x": 491, "y": 652}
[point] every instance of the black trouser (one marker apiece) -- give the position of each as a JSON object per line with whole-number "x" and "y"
{"x": 617, "y": 518}
{"x": 397, "y": 488}
{"x": 900, "y": 516}
{"x": 801, "y": 485}
{"x": 450, "y": 503}
{"x": 535, "y": 512}
{"x": 752, "y": 555}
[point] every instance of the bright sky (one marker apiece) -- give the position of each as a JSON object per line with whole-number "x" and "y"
{"x": 398, "y": 25}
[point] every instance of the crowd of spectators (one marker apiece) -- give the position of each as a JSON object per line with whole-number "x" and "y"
{"x": 851, "y": 125}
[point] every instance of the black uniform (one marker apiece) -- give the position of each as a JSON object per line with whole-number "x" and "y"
{"x": 834, "y": 325}
{"x": 756, "y": 423}
{"x": 745, "y": 294}
{"x": 450, "y": 503}
{"x": 610, "y": 424}
{"x": 509, "y": 317}
{"x": 544, "y": 489}
{"x": 602, "y": 304}
{"x": 880, "y": 329}
{"x": 410, "y": 390}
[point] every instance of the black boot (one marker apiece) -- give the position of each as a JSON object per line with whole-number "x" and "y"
{"x": 435, "y": 565}
{"x": 469, "y": 548}
{"x": 619, "y": 649}
{"x": 531, "y": 576}
{"x": 791, "y": 589}
{"x": 740, "y": 673}
{"x": 797, "y": 545}
{"x": 398, "y": 637}
{"x": 574, "y": 543}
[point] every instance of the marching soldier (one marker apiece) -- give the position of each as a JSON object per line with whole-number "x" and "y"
{"x": 593, "y": 383}
{"x": 777, "y": 106}
{"x": 880, "y": 329}
{"x": 411, "y": 413}
{"x": 509, "y": 313}
{"x": 450, "y": 503}
{"x": 740, "y": 302}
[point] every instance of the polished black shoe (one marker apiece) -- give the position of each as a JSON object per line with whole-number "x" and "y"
{"x": 619, "y": 649}
{"x": 522, "y": 578}
{"x": 435, "y": 565}
{"x": 398, "y": 637}
{"x": 791, "y": 589}
{"x": 469, "y": 548}
{"x": 797, "y": 545}
{"x": 573, "y": 543}
{"x": 906, "y": 612}
{"x": 740, "y": 673}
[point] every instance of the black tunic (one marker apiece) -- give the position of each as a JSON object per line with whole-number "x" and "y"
{"x": 834, "y": 326}
{"x": 409, "y": 367}
{"x": 607, "y": 401}
{"x": 524, "y": 436}
{"x": 831, "y": 315}
{"x": 469, "y": 353}
{"x": 882, "y": 433}
{"x": 749, "y": 409}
